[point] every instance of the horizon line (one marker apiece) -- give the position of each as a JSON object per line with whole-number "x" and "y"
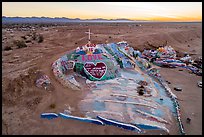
{"x": 100, "y": 18}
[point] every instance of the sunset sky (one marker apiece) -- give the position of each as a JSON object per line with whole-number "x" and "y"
{"x": 154, "y": 11}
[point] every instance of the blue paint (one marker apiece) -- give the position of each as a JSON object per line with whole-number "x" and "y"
{"x": 132, "y": 75}
{"x": 158, "y": 113}
{"x": 88, "y": 120}
{"x": 166, "y": 100}
{"x": 161, "y": 90}
{"x": 116, "y": 88}
{"x": 119, "y": 124}
{"x": 49, "y": 115}
{"x": 126, "y": 63}
{"x": 129, "y": 99}
{"x": 149, "y": 127}
{"x": 99, "y": 106}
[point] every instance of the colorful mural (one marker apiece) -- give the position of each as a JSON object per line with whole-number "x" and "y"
{"x": 124, "y": 89}
{"x": 97, "y": 70}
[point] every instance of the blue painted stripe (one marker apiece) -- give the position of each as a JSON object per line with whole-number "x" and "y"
{"x": 88, "y": 120}
{"x": 119, "y": 124}
{"x": 151, "y": 127}
{"x": 49, "y": 115}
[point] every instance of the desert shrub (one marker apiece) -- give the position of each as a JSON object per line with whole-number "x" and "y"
{"x": 34, "y": 36}
{"x": 52, "y": 106}
{"x": 40, "y": 38}
{"x": 27, "y": 41}
{"x": 7, "y": 48}
{"x": 19, "y": 44}
{"x": 23, "y": 37}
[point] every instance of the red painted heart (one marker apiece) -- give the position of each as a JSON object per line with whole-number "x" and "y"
{"x": 97, "y": 71}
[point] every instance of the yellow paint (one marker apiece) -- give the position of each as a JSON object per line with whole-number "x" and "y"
{"x": 156, "y": 11}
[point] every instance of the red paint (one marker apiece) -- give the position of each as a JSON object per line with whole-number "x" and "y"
{"x": 63, "y": 63}
{"x": 83, "y": 58}
{"x": 91, "y": 57}
{"x": 99, "y": 56}
{"x": 97, "y": 71}
{"x": 95, "y": 57}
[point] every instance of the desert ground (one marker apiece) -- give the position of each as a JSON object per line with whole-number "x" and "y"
{"x": 23, "y": 102}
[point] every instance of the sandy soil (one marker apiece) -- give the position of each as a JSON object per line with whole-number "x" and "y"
{"x": 190, "y": 98}
{"x": 23, "y": 102}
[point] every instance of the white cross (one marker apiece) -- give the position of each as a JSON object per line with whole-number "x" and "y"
{"x": 89, "y": 35}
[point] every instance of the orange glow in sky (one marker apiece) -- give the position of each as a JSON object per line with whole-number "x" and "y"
{"x": 156, "y": 11}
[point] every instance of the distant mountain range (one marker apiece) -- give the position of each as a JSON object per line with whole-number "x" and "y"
{"x": 58, "y": 20}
